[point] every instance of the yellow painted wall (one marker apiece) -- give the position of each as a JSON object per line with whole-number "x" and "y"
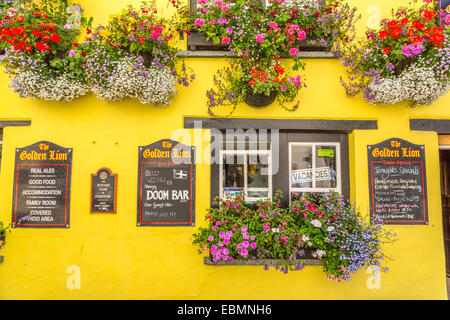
{"x": 118, "y": 260}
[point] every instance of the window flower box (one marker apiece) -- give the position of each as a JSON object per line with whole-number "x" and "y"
{"x": 264, "y": 262}
{"x": 311, "y": 231}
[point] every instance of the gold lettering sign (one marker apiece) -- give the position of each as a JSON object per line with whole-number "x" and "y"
{"x": 405, "y": 153}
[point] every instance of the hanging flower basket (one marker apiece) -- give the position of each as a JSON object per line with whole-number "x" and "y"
{"x": 260, "y": 100}
{"x": 406, "y": 60}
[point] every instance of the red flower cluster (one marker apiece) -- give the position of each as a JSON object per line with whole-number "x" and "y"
{"x": 419, "y": 30}
{"x": 263, "y": 77}
{"x": 39, "y": 34}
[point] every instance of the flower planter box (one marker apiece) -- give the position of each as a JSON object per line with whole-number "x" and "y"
{"x": 196, "y": 41}
{"x": 262, "y": 262}
{"x": 307, "y": 260}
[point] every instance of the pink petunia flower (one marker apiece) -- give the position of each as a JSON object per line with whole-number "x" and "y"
{"x": 301, "y": 34}
{"x": 199, "y": 22}
{"x": 225, "y": 40}
{"x": 260, "y": 37}
{"x": 293, "y": 51}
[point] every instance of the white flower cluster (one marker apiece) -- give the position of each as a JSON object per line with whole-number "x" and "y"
{"x": 316, "y": 223}
{"x": 31, "y": 84}
{"x": 149, "y": 85}
{"x": 318, "y": 253}
{"x": 415, "y": 84}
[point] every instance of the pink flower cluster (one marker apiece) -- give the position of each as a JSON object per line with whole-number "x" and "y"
{"x": 244, "y": 245}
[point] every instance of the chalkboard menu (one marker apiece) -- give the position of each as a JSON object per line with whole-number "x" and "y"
{"x": 166, "y": 184}
{"x": 42, "y": 176}
{"x": 397, "y": 182}
{"x": 103, "y": 191}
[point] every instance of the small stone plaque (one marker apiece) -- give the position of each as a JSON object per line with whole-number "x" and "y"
{"x": 103, "y": 191}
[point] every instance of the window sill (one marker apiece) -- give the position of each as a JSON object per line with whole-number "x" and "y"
{"x": 227, "y": 54}
{"x": 262, "y": 262}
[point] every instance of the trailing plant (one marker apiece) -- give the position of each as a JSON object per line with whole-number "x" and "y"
{"x": 260, "y": 36}
{"x": 407, "y": 59}
{"x": 3, "y": 230}
{"x": 134, "y": 56}
{"x": 340, "y": 235}
{"x": 333, "y": 229}
{"x": 37, "y": 41}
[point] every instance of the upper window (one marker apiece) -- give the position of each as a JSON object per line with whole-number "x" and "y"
{"x": 313, "y": 168}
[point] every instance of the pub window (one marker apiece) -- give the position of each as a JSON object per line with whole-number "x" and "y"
{"x": 297, "y": 162}
{"x": 246, "y": 171}
{"x": 313, "y": 168}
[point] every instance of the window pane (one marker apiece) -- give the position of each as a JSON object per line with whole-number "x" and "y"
{"x": 232, "y": 175}
{"x": 257, "y": 172}
{"x": 301, "y": 167}
{"x": 325, "y": 175}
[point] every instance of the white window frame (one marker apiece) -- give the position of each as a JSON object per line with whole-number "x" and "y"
{"x": 314, "y": 150}
{"x": 247, "y": 153}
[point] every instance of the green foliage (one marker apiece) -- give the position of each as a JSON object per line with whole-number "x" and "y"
{"x": 331, "y": 229}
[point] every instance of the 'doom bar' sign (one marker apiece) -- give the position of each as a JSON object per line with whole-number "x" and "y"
{"x": 397, "y": 182}
{"x": 166, "y": 184}
{"x": 42, "y": 176}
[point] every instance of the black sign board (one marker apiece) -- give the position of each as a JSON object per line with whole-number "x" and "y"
{"x": 397, "y": 182}
{"x": 166, "y": 184}
{"x": 103, "y": 191}
{"x": 443, "y": 9}
{"x": 42, "y": 176}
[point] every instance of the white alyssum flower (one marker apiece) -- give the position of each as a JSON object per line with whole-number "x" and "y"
{"x": 305, "y": 238}
{"x": 316, "y": 223}
{"x": 415, "y": 84}
{"x": 148, "y": 85}
{"x": 330, "y": 228}
{"x": 319, "y": 253}
{"x": 31, "y": 84}
{"x": 275, "y": 229}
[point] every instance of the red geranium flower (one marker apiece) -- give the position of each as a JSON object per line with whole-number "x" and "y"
{"x": 429, "y": 15}
{"x": 396, "y": 32}
{"x": 36, "y": 33}
{"x": 383, "y": 34}
{"x": 386, "y": 50}
{"x": 417, "y": 24}
{"x": 55, "y": 38}
{"x": 42, "y": 46}
{"x": 416, "y": 39}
